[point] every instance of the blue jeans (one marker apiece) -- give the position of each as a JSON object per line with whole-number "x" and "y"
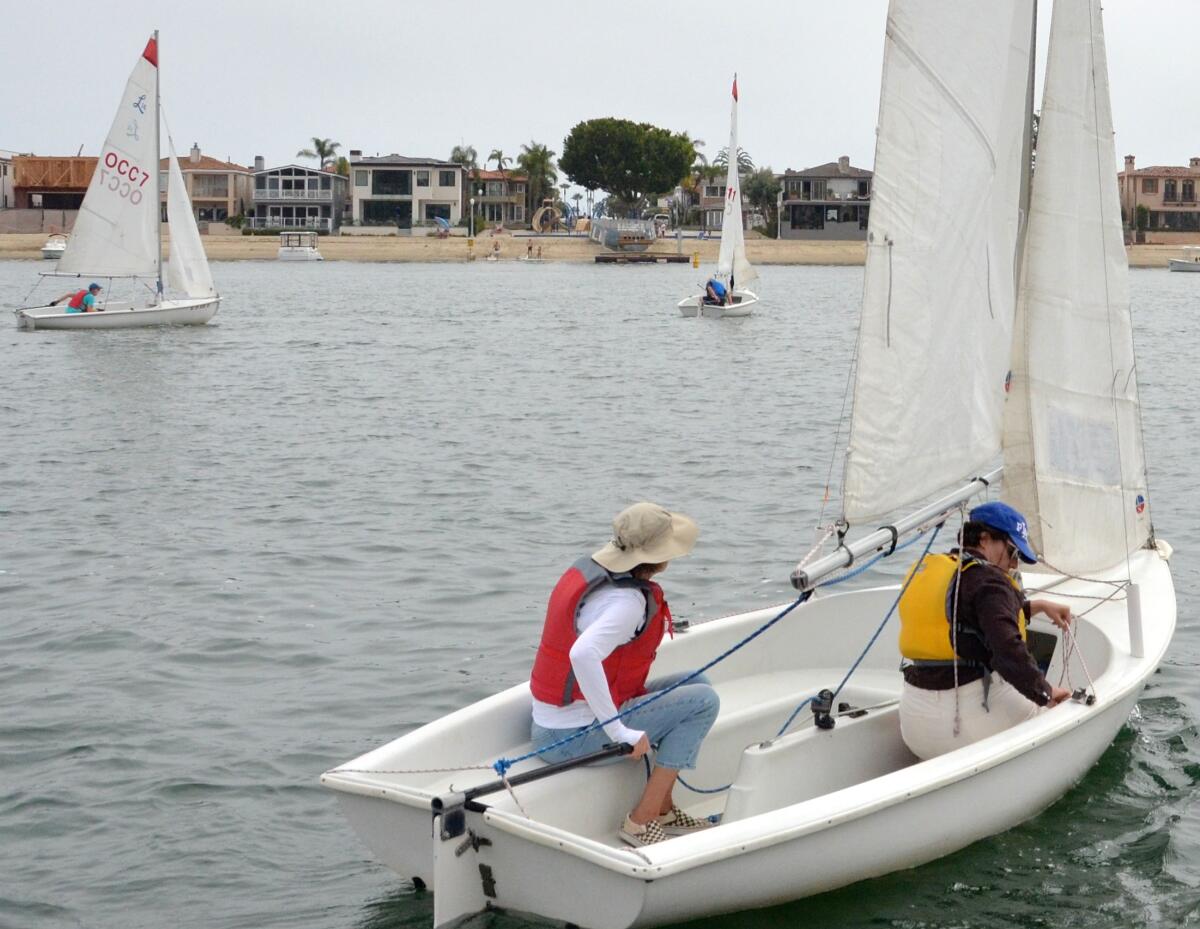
{"x": 675, "y": 724}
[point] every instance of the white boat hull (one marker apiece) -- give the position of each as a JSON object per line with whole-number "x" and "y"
{"x": 53, "y": 254}
{"x": 1184, "y": 264}
{"x": 807, "y": 813}
{"x": 299, "y": 254}
{"x": 742, "y": 305}
{"x": 189, "y": 312}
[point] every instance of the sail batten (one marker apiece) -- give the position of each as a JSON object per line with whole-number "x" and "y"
{"x": 1074, "y": 462}
{"x": 939, "y": 285}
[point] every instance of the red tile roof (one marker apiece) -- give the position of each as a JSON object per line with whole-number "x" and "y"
{"x": 1164, "y": 171}
{"x": 206, "y": 163}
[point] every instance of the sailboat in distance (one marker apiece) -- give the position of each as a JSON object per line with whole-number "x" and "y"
{"x": 995, "y": 326}
{"x": 734, "y": 271}
{"x": 117, "y": 232}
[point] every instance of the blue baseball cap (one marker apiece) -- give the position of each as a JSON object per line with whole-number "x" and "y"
{"x": 1003, "y": 518}
{"x": 94, "y": 286}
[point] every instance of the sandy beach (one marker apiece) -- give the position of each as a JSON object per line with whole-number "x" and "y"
{"x": 430, "y": 249}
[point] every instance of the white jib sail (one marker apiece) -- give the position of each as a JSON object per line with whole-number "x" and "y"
{"x": 938, "y": 297}
{"x": 731, "y": 262}
{"x": 1073, "y": 457}
{"x": 116, "y": 231}
{"x": 187, "y": 265}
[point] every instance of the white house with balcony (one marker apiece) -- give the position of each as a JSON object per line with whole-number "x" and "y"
{"x": 403, "y": 192}
{"x": 830, "y": 201}
{"x": 297, "y": 197}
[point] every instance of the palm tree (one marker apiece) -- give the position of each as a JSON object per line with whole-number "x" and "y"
{"x": 537, "y": 161}
{"x": 324, "y": 150}
{"x": 501, "y": 159}
{"x": 466, "y": 156}
{"x": 745, "y": 163}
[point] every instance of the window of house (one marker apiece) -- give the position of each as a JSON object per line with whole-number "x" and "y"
{"x": 437, "y": 210}
{"x": 494, "y": 212}
{"x": 422, "y": 178}
{"x": 387, "y": 213}
{"x": 864, "y": 188}
{"x": 1169, "y": 192}
{"x": 1189, "y": 191}
{"x": 712, "y": 190}
{"x": 446, "y": 179}
{"x": 360, "y": 178}
{"x": 391, "y": 183}
{"x": 326, "y": 183}
{"x": 495, "y": 188}
{"x": 260, "y": 182}
{"x": 519, "y": 213}
{"x": 1149, "y": 185}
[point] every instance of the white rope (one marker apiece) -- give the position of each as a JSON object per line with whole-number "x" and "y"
{"x": 512, "y": 793}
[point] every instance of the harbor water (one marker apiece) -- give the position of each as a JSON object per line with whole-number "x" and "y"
{"x": 235, "y": 556}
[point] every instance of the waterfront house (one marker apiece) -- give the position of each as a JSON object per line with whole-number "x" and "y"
{"x": 402, "y": 192}
{"x": 830, "y": 201}
{"x": 6, "y": 180}
{"x": 50, "y": 183}
{"x": 499, "y": 198}
{"x": 1169, "y": 195}
{"x": 218, "y": 189}
{"x": 296, "y": 197}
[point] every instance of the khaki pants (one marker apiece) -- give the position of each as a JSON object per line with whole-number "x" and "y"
{"x": 927, "y": 716}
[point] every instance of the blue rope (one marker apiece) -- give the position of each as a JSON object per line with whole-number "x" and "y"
{"x": 878, "y": 631}
{"x": 501, "y": 765}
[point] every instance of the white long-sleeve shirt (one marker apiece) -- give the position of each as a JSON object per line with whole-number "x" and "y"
{"x": 610, "y": 617}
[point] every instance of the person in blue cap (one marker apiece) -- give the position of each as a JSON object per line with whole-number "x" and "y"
{"x": 81, "y": 301}
{"x": 968, "y": 671}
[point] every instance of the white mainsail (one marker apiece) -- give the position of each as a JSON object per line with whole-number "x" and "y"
{"x": 939, "y": 297}
{"x": 1073, "y": 456}
{"x": 732, "y": 266}
{"x": 187, "y": 265}
{"x": 116, "y": 232}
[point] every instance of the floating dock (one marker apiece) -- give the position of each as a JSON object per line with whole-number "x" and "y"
{"x": 623, "y": 258}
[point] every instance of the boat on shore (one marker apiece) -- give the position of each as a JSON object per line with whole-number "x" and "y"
{"x": 298, "y": 246}
{"x": 805, "y": 773}
{"x": 1188, "y": 261}
{"x": 54, "y": 247}
{"x": 117, "y": 234}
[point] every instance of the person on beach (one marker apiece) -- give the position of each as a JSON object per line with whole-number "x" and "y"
{"x": 539, "y": 253}
{"x": 603, "y": 626}
{"x": 715, "y": 293}
{"x": 951, "y": 697}
{"x": 81, "y": 301}
{"x": 528, "y": 249}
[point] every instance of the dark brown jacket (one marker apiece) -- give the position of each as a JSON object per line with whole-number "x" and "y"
{"x": 988, "y": 603}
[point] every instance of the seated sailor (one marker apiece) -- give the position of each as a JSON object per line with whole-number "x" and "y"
{"x": 715, "y": 293}
{"x": 951, "y": 696}
{"x": 603, "y": 626}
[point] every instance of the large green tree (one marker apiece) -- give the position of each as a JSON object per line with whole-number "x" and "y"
{"x": 630, "y": 160}
{"x": 324, "y": 150}
{"x": 537, "y": 161}
{"x": 761, "y": 190}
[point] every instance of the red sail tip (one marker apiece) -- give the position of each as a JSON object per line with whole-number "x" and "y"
{"x": 151, "y": 53}
{"x": 735, "y": 87}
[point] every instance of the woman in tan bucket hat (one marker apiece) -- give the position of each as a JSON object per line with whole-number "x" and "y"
{"x": 604, "y": 622}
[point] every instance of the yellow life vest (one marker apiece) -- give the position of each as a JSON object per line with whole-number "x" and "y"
{"x": 927, "y": 606}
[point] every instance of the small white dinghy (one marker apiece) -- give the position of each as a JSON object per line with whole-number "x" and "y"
{"x": 299, "y": 246}
{"x": 1190, "y": 260}
{"x": 117, "y": 235}
{"x": 733, "y": 268}
{"x": 1044, "y": 380}
{"x": 54, "y": 247}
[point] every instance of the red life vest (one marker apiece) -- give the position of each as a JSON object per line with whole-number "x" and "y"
{"x": 76, "y": 302}
{"x": 553, "y": 680}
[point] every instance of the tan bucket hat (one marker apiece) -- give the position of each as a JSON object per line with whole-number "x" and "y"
{"x": 646, "y": 533}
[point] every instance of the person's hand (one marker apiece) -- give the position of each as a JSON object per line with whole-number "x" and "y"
{"x": 1058, "y": 695}
{"x": 1059, "y": 613}
{"x": 643, "y": 745}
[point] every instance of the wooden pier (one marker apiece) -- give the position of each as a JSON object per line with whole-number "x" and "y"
{"x": 634, "y": 258}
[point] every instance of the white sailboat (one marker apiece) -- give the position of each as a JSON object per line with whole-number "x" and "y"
{"x": 117, "y": 232}
{"x": 962, "y": 298}
{"x": 733, "y": 269}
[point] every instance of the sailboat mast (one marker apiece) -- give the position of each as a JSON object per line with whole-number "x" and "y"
{"x": 157, "y": 162}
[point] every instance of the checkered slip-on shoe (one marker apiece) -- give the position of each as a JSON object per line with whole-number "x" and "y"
{"x": 677, "y": 822}
{"x": 637, "y": 834}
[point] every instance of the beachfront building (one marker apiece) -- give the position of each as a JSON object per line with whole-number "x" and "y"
{"x": 218, "y": 189}
{"x": 1168, "y": 194}
{"x": 296, "y": 197}
{"x": 50, "y": 182}
{"x": 6, "y": 180}
{"x": 403, "y": 192}
{"x": 499, "y": 198}
{"x": 830, "y": 201}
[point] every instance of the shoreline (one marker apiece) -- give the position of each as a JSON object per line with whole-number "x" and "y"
{"x": 580, "y": 249}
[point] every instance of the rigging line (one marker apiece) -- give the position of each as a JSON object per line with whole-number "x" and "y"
{"x": 837, "y": 434}
{"x": 1095, "y": 28}
{"x": 962, "y": 515}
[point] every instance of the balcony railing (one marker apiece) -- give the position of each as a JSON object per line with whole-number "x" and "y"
{"x": 314, "y": 195}
{"x": 304, "y": 222}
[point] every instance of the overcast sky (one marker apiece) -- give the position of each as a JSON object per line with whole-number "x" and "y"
{"x": 261, "y": 77}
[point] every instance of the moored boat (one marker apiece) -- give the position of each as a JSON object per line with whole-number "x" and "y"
{"x": 54, "y": 246}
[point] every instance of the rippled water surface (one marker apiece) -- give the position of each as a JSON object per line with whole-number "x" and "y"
{"x": 234, "y": 556}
